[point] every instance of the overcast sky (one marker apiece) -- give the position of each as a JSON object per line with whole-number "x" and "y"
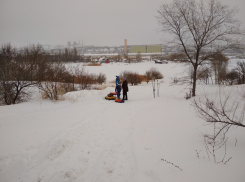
{"x": 93, "y": 22}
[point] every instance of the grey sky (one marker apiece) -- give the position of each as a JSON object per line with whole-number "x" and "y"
{"x": 93, "y": 22}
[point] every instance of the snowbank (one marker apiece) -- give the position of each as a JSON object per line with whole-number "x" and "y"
{"x": 88, "y": 138}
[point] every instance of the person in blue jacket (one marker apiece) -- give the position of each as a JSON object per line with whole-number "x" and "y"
{"x": 117, "y": 80}
{"x": 118, "y": 89}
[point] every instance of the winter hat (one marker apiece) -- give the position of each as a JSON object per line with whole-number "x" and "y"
{"x": 124, "y": 78}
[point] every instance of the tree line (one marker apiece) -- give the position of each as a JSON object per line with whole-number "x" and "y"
{"x": 215, "y": 71}
{"x": 27, "y": 67}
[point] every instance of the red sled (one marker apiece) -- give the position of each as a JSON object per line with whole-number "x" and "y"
{"x": 119, "y": 100}
{"x": 113, "y": 93}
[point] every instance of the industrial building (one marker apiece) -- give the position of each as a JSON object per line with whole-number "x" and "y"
{"x": 145, "y": 48}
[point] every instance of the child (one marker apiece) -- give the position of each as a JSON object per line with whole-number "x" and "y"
{"x": 117, "y": 80}
{"x": 118, "y": 89}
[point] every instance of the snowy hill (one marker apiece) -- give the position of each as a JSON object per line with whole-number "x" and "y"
{"x": 87, "y": 138}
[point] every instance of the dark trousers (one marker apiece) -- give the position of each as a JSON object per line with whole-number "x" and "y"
{"x": 118, "y": 95}
{"x": 125, "y": 96}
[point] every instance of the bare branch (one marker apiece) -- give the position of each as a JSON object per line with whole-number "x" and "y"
{"x": 201, "y": 28}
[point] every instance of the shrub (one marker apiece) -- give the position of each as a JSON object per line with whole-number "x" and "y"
{"x": 133, "y": 78}
{"x": 153, "y": 74}
{"x": 93, "y": 64}
{"x": 85, "y": 80}
{"x": 148, "y": 76}
{"x": 232, "y": 77}
{"x": 101, "y": 78}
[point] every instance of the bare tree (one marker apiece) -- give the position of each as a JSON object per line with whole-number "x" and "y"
{"x": 52, "y": 83}
{"x": 20, "y": 69}
{"x": 179, "y": 57}
{"x": 66, "y": 55}
{"x": 204, "y": 73}
{"x": 219, "y": 65}
{"x": 225, "y": 111}
{"x": 75, "y": 56}
{"x": 232, "y": 77}
{"x": 138, "y": 57}
{"x": 117, "y": 58}
{"x": 200, "y": 29}
{"x": 240, "y": 69}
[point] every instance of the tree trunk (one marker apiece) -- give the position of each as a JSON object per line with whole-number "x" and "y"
{"x": 194, "y": 81}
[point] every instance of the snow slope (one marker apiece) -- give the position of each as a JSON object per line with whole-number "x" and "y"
{"x": 87, "y": 138}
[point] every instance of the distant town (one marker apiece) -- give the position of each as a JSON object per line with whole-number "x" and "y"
{"x": 130, "y": 50}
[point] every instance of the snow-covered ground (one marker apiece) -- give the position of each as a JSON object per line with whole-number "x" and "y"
{"x": 89, "y": 139}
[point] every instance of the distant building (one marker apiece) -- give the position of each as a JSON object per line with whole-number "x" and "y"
{"x": 146, "y": 48}
{"x": 138, "y": 49}
{"x": 153, "y": 48}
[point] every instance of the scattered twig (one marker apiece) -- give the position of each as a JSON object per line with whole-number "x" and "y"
{"x": 172, "y": 164}
{"x": 227, "y": 160}
{"x": 198, "y": 156}
{"x": 188, "y": 95}
{"x": 225, "y": 152}
{"x": 213, "y": 143}
{"x": 206, "y": 147}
